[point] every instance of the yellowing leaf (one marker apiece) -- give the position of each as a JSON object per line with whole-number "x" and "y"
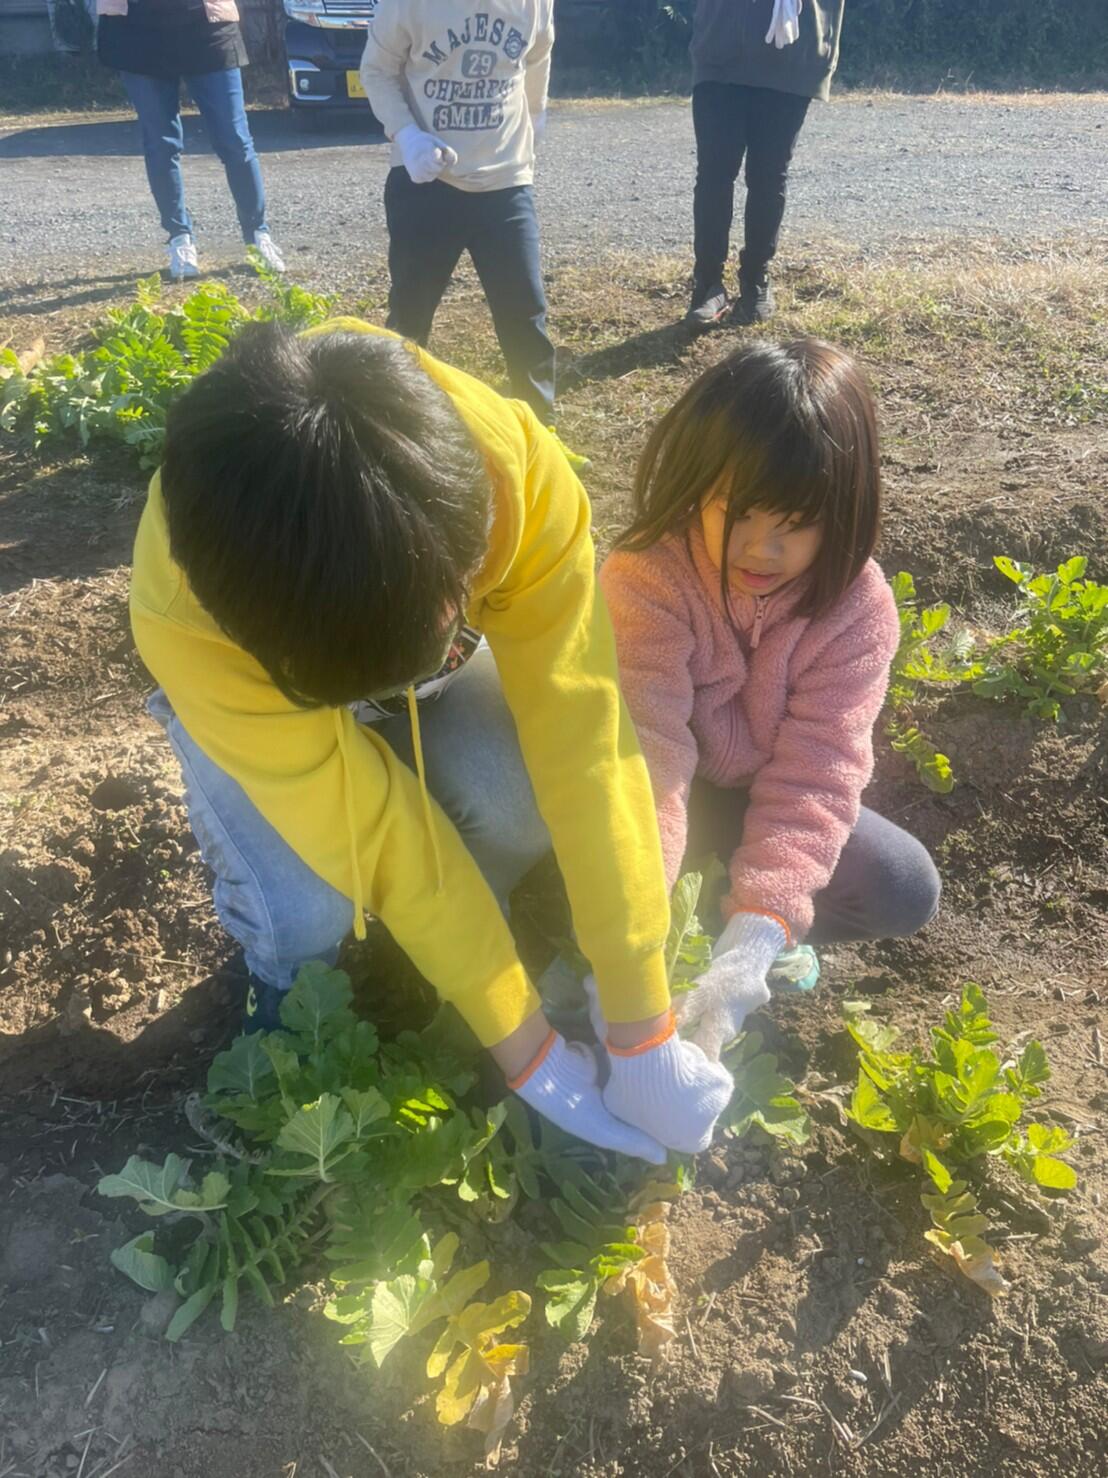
{"x": 479, "y": 1322}
{"x": 476, "y": 1324}
{"x": 655, "y": 1238}
{"x": 463, "y": 1381}
{"x": 28, "y": 358}
{"x": 492, "y": 1411}
{"x": 922, "y": 1134}
{"x": 974, "y": 1258}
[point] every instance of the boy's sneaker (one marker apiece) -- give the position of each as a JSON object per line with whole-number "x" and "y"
{"x": 183, "y": 261}
{"x": 262, "y": 1011}
{"x": 709, "y": 303}
{"x": 755, "y": 302}
{"x": 268, "y": 252}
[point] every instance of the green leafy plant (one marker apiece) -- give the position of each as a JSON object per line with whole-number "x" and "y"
{"x": 1060, "y": 646}
{"x": 328, "y": 1142}
{"x": 141, "y": 357}
{"x": 956, "y": 1105}
{"x": 922, "y": 659}
{"x": 383, "y": 1311}
{"x": 688, "y": 947}
{"x": 614, "y": 1241}
{"x": 764, "y": 1097}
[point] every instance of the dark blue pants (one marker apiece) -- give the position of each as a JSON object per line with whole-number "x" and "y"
{"x": 218, "y": 95}
{"x": 430, "y": 226}
{"x": 733, "y": 122}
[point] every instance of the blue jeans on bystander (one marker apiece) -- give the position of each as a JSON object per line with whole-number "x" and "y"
{"x": 218, "y": 95}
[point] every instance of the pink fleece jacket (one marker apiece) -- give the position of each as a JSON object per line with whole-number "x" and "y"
{"x": 786, "y": 708}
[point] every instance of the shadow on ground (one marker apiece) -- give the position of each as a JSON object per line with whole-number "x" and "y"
{"x": 274, "y": 130}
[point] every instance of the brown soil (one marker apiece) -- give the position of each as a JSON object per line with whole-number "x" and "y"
{"x": 815, "y": 1333}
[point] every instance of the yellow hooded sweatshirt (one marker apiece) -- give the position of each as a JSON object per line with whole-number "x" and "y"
{"x": 351, "y": 809}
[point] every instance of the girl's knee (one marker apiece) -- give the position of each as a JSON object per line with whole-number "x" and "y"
{"x": 915, "y": 899}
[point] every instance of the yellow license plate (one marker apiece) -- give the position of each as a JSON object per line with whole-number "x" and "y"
{"x": 354, "y": 88}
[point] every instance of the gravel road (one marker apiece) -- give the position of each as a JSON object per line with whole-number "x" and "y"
{"x": 612, "y": 176}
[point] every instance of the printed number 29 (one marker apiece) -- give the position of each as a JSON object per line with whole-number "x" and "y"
{"x": 478, "y": 63}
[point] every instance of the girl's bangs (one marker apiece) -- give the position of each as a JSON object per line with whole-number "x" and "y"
{"x": 777, "y": 490}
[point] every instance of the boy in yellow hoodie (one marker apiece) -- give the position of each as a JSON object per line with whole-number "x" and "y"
{"x": 365, "y": 584}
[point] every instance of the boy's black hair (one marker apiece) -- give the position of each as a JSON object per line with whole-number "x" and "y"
{"x": 788, "y": 428}
{"x": 328, "y": 507}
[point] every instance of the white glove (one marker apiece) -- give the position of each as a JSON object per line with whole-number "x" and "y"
{"x": 734, "y": 984}
{"x": 667, "y": 1087}
{"x": 538, "y": 127}
{"x": 425, "y": 155}
{"x": 784, "y": 28}
{"x": 561, "y": 1085}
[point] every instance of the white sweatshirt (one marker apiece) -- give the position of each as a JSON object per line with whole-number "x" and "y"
{"x": 472, "y": 74}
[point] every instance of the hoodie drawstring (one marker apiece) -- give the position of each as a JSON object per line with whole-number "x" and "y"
{"x": 352, "y": 814}
{"x": 428, "y": 818}
{"x": 351, "y": 827}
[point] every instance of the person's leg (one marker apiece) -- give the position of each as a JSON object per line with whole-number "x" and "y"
{"x": 504, "y": 243}
{"x": 719, "y": 124}
{"x": 426, "y": 238}
{"x": 218, "y": 95}
{"x": 269, "y": 900}
{"x": 885, "y": 886}
{"x": 476, "y": 772}
{"x": 157, "y": 103}
{"x": 774, "y": 123}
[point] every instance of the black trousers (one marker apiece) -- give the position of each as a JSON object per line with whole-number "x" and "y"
{"x": 430, "y": 226}
{"x": 733, "y": 122}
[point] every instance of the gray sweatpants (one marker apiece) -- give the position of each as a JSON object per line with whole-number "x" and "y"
{"x": 884, "y": 887}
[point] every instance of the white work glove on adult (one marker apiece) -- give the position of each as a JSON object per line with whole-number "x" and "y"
{"x": 561, "y": 1085}
{"x": 784, "y": 27}
{"x": 425, "y": 155}
{"x": 667, "y": 1086}
{"x": 538, "y": 127}
{"x": 734, "y": 984}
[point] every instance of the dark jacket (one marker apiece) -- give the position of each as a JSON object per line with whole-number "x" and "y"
{"x": 729, "y": 45}
{"x": 169, "y": 38}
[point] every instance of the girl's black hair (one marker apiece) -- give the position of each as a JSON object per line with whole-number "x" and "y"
{"x": 787, "y": 428}
{"x": 328, "y": 507}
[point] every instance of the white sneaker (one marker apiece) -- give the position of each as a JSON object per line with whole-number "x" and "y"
{"x": 183, "y": 261}
{"x": 264, "y": 244}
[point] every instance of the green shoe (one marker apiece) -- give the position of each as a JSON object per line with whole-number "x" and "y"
{"x": 575, "y": 459}
{"x": 795, "y": 969}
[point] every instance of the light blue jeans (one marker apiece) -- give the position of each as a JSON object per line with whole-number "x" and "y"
{"x": 284, "y": 914}
{"x": 218, "y": 95}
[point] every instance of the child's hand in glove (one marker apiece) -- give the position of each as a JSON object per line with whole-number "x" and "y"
{"x": 665, "y": 1086}
{"x": 425, "y": 155}
{"x": 734, "y": 984}
{"x": 561, "y": 1085}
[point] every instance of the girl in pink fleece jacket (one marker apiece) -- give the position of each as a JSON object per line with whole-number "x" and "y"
{"x": 755, "y": 635}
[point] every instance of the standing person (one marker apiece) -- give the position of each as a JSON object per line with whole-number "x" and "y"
{"x": 755, "y": 635}
{"x": 757, "y": 64}
{"x": 155, "y": 45}
{"x": 338, "y": 520}
{"x": 462, "y": 94}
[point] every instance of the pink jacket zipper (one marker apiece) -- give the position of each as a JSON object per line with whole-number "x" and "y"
{"x": 759, "y": 617}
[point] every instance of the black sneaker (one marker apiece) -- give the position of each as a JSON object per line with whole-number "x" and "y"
{"x": 262, "y": 1010}
{"x": 708, "y": 306}
{"x": 755, "y": 302}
